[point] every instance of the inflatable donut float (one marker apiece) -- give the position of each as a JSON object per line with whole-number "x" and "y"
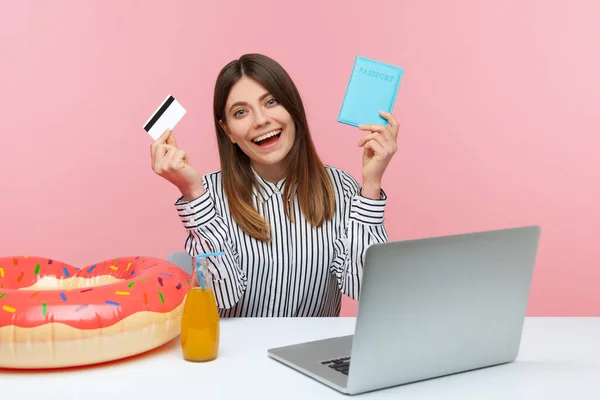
{"x": 53, "y": 315}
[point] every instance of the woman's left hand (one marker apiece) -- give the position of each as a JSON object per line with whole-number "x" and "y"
{"x": 379, "y": 148}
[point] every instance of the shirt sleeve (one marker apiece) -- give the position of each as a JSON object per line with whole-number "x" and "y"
{"x": 363, "y": 225}
{"x": 207, "y": 232}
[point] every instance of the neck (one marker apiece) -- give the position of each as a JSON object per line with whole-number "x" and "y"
{"x": 270, "y": 173}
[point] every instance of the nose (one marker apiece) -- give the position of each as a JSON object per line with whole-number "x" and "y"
{"x": 260, "y": 118}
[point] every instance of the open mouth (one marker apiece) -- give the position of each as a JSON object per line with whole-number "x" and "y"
{"x": 268, "y": 138}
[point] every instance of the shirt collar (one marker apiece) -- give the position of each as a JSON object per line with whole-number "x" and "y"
{"x": 265, "y": 189}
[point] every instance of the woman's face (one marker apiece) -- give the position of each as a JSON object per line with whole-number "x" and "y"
{"x": 260, "y": 126}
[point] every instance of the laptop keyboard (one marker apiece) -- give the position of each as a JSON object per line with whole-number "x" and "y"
{"x": 339, "y": 364}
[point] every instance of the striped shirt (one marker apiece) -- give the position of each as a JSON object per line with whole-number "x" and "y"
{"x": 304, "y": 270}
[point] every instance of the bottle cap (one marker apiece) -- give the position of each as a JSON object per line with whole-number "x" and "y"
{"x": 202, "y": 255}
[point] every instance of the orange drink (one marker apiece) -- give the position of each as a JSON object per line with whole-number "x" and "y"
{"x": 200, "y": 326}
{"x": 200, "y": 320}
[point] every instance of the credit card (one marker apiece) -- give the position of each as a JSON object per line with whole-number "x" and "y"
{"x": 167, "y": 115}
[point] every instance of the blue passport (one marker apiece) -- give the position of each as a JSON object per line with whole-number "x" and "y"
{"x": 372, "y": 88}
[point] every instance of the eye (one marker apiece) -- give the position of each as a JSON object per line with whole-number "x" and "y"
{"x": 272, "y": 102}
{"x": 237, "y": 113}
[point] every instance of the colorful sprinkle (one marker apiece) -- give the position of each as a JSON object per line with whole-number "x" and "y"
{"x": 50, "y": 261}
{"x": 25, "y": 256}
{"x": 137, "y": 258}
{"x": 128, "y": 265}
{"x": 188, "y": 281}
{"x": 132, "y": 272}
{"x": 112, "y": 303}
{"x": 91, "y": 269}
{"x": 122, "y": 293}
{"x": 9, "y": 309}
{"x": 43, "y": 309}
{"x": 33, "y": 295}
{"x": 21, "y": 275}
{"x": 162, "y": 298}
{"x": 2, "y": 295}
{"x": 63, "y": 297}
{"x": 82, "y": 307}
{"x": 114, "y": 268}
{"x": 160, "y": 282}
{"x": 37, "y": 269}
{"x": 131, "y": 285}
{"x": 145, "y": 299}
{"x": 178, "y": 286}
{"x": 66, "y": 272}
{"x": 164, "y": 274}
{"x": 1, "y": 273}
{"x": 86, "y": 290}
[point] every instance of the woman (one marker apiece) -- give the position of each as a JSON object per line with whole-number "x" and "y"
{"x": 294, "y": 231}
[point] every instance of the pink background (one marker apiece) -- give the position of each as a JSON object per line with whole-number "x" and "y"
{"x": 499, "y": 111}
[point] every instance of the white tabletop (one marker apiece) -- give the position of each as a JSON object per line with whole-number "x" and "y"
{"x": 559, "y": 359}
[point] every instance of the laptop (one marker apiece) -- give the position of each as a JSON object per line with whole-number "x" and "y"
{"x": 428, "y": 308}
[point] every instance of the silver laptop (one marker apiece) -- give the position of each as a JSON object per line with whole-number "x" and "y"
{"x": 428, "y": 308}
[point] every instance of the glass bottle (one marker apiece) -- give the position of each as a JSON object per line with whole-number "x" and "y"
{"x": 200, "y": 322}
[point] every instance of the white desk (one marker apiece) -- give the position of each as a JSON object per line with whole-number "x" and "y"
{"x": 559, "y": 359}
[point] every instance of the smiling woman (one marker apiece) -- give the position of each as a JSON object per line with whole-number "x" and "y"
{"x": 294, "y": 230}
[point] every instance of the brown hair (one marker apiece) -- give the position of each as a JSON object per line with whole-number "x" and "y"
{"x": 305, "y": 172}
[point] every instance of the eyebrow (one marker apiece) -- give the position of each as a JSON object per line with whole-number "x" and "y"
{"x": 243, "y": 103}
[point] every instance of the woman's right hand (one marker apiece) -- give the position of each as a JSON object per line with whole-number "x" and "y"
{"x": 171, "y": 163}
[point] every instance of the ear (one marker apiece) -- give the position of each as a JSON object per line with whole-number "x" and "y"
{"x": 224, "y": 127}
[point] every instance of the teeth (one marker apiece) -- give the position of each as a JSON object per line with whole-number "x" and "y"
{"x": 266, "y": 135}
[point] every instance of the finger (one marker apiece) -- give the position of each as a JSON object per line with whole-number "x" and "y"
{"x": 380, "y": 129}
{"x": 387, "y": 135}
{"x": 375, "y": 147}
{"x": 163, "y": 137}
{"x": 159, "y": 155}
{"x": 372, "y": 128}
{"x": 384, "y": 149}
{"x": 179, "y": 159}
{"x": 167, "y": 163}
{"x": 167, "y": 137}
{"x": 392, "y": 121}
{"x": 171, "y": 138}
{"x": 373, "y": 136}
